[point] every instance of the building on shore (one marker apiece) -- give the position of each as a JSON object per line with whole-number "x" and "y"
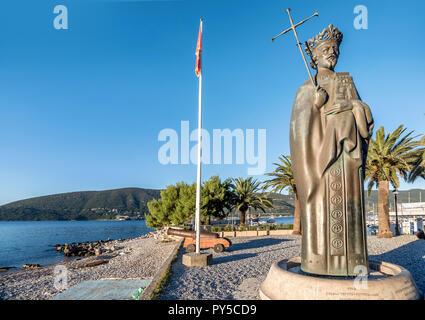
{"x": 410, "y": 210}
{"x": 410, "y": 218}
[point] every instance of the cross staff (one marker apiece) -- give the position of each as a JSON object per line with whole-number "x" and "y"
{"x": 293, "y": 28}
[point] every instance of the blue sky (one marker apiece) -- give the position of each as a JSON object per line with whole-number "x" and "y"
{"x": 81, "y": 109}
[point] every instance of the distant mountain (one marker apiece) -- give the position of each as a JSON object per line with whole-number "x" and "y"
{"x": 84, "y": 205}
{"x": 132, "y": 202}
{"x": 283, "y": 204}
{"x": 404, "y": 196}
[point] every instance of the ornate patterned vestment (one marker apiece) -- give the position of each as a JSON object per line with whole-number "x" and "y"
{"x": 328, "y": 150}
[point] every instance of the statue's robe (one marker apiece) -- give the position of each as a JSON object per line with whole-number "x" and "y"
{"x": 328, "y": 152}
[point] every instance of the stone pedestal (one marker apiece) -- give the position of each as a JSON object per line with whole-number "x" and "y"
{"x": 194, "y": 259}
{"x": 386, "y": 281}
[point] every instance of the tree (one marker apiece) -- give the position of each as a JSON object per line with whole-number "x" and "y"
{"x": 175, "y": 206}
{"x": 388, "y": 157}
{"x": 177, "y": 203}
{"x": 284, "y": 178}
{"x": 418, "y": 169}
{"x": 247, "y": 195}
{"x": 216, "y": 199}
{"x": 186, "y": 204}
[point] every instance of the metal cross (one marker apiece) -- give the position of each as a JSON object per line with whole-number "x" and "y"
{"x": 293, "y": 28}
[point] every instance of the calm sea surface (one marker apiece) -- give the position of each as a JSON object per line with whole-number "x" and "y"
{"x": 31, "y": 241}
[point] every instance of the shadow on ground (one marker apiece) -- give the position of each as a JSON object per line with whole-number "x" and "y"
{"x": 411, "y": 257}
{"x": 233, "y": 257}
{"x": 256, "y": 243}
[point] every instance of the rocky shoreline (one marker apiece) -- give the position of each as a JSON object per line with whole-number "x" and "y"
{"x": 87, "y": 248}
{"x": 135, "y": 258}
{"x": 77, "y": 249}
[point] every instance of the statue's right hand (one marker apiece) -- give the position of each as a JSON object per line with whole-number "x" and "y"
{"x": 320, "y": 97}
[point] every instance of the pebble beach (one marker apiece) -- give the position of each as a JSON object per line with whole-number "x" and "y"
{"x": 137, "y": 258}
{"x": 235, "y": 274}
{"x": 238, "y": 273}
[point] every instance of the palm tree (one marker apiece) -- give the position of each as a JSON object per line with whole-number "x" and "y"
{"x": 419, "y": 166}
{"x": 216, "y": 198}
{"x": 246, "y": 194}
{"x": 388, "y": 157}
{"x": 284, "y": 178}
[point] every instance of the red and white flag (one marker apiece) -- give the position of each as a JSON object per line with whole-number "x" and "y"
{"x": 198, "y": 52}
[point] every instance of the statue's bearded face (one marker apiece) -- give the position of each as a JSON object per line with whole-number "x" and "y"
{"x": 326, "y": 55}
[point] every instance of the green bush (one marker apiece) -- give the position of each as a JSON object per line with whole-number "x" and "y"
{"x": 216, "y": 229}
{"x": 285, "y": 226}
{"x": 228, "y": 228}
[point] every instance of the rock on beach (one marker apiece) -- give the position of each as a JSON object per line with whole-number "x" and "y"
{"x": 137, "y": 258}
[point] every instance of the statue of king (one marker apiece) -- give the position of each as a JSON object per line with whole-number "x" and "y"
{"x": 329, "y": 135}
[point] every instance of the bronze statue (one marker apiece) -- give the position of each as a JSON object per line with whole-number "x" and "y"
{"x": 330, "y": 131}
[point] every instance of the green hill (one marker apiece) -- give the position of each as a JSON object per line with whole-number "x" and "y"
{"x": 84, "y": 205}
{"x": 132, "y": 202}
{"x": 371, "y": 202}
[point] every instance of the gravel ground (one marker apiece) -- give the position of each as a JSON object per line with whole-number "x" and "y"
{"x": 135, "y": 259}
{"x": 238, "y": 273}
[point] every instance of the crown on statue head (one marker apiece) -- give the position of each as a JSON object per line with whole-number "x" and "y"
{"x": 330, "y": 33}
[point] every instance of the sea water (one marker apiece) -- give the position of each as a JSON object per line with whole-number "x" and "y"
{"x": 32, "y": 241}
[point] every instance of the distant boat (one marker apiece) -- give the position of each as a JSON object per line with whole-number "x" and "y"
{"x": 254, "y": 222}
{"x": 270, "y": 220}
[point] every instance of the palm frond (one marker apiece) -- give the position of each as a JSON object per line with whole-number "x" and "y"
{"x": 283, "y": 176}
{"x": 391, "y": 156}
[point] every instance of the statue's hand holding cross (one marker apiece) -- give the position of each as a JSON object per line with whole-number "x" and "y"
{"x": 293, "y": 28}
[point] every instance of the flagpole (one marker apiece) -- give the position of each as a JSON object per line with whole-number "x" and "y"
{"x": 198, "y": 179}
